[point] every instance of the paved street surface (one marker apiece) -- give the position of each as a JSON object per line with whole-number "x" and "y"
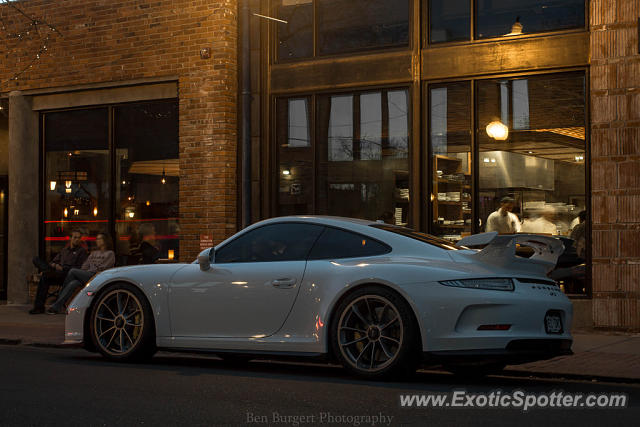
{"x": 52, "y": 386}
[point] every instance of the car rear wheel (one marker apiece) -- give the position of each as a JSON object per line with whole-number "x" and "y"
{"x": 374, "y": 334}
{"x": 122, "y": 326}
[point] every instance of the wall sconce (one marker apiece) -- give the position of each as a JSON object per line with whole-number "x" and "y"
{"x": 52, "y": 185}
{"x": 95, "y": 211}
{"x": 67, "y": 184}
{"x": 170, "y": 254}
{"x": 132, "y": 214}
{"x": 497, "y": 130}
{"x": 516, "y": 28}
{"x": 65, "y": 212}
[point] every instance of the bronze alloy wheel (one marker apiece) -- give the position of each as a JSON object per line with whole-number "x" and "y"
{"x": 375, "y": 333}
{"x": 121, "y": 324}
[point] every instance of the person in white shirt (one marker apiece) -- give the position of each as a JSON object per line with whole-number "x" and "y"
{"x": 503, "y": 220}
{"x": 543, "y": 224}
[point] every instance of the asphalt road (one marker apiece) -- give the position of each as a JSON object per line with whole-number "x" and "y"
{"x": 66, "y": 387}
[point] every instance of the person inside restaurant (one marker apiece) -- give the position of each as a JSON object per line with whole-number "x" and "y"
{"x": 504, "y": 221}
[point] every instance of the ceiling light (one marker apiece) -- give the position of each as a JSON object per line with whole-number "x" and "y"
{"x": 497, "y": 130}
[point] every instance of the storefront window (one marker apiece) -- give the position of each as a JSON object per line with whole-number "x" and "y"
{"x": 79, "y": 172}
{"x": 531, "y": 166}
{"x": 295, "y": 38}
{"x": 295, "y": 156}
{"x": 362, "y": 153}
{"x": 450, "y": 137}
{"x": 345, "y": 26}
{"x": 146, "y": 143}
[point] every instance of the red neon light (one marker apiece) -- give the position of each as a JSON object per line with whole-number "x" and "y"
{"x": 49, "y": 221}
{"x": 65, "y": 238}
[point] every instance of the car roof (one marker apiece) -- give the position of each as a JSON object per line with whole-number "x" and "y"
{"x": 320, "y": 219}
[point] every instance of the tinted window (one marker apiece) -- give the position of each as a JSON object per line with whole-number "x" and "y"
{"x": 345, "y": 26}
{"x": 336, "y": 243}
{"x": 449, "y": 20}
{"x": 514, "y": 17}
{"x": 277, "y": 242}
{"x": 295, "y": 38}
{"x": 412, "y": 234}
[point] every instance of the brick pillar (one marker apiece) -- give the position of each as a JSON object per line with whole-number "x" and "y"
{"x": 615, "y": 163}
{"x": 208, "y": 137}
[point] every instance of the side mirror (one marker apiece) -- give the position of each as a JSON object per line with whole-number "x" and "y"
{"x": 205, "y": 259}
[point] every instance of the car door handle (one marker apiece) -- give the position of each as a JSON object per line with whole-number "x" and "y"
{"x": 283, "y": 283}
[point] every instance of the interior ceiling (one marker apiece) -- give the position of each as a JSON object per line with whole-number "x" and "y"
{"x": 563, "y": 144}
{"x": 170, "y": 167}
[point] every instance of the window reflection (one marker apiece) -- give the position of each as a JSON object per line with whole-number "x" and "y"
{"x": 295, "y": 156}
{"x": 450, "y": 137}
{"x": 295, "y": 38}
{"x": 363, "y": 155}
{"x": 345, "y": 26}
{"x": 514, "y": 17}
{"x": 449, "y": 20}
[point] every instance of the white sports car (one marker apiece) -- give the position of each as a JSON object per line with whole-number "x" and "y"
{"x": 378, "y": 298}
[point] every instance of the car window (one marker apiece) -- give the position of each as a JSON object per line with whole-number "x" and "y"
{"x": 416, "y": 235}
{"x": 275, "y": 242}
{"x": 335, "y": 243}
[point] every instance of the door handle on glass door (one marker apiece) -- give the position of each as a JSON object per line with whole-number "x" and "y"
{"x": 283, "y": 283}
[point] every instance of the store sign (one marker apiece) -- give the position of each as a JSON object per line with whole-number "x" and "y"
{"x": 206, "y": 241}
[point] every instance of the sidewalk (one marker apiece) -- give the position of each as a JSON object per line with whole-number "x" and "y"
{"x": 606, "y": 356}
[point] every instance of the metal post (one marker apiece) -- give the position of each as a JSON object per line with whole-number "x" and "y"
{"x": 245, "y": 113}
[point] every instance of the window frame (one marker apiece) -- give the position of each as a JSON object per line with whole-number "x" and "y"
{"x": 428, "y": 43}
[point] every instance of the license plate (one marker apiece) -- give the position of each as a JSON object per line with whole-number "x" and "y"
{"x": 553, "y": 323}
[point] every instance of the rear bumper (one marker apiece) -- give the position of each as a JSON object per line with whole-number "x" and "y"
{"x": 516, "y": 352}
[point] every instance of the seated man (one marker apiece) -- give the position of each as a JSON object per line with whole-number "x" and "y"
{"x": 71, "y": 256}
{"x": 100, "y": 259}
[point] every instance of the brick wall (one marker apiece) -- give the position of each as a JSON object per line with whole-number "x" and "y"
{"x": 117, "y": 40}
{"x": 615, "y": 168}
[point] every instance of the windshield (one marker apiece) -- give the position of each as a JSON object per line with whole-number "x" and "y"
{"x": 416, "y": 235}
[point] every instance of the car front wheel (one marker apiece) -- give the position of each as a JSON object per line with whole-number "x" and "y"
{"x": 122, "y": 326}
{"x": 374, "y": 334}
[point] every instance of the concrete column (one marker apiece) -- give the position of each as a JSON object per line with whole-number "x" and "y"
{"x": 23, "y": 195}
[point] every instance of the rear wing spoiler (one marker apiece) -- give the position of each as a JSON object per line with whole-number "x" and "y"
{"x": 500, "y": 250}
